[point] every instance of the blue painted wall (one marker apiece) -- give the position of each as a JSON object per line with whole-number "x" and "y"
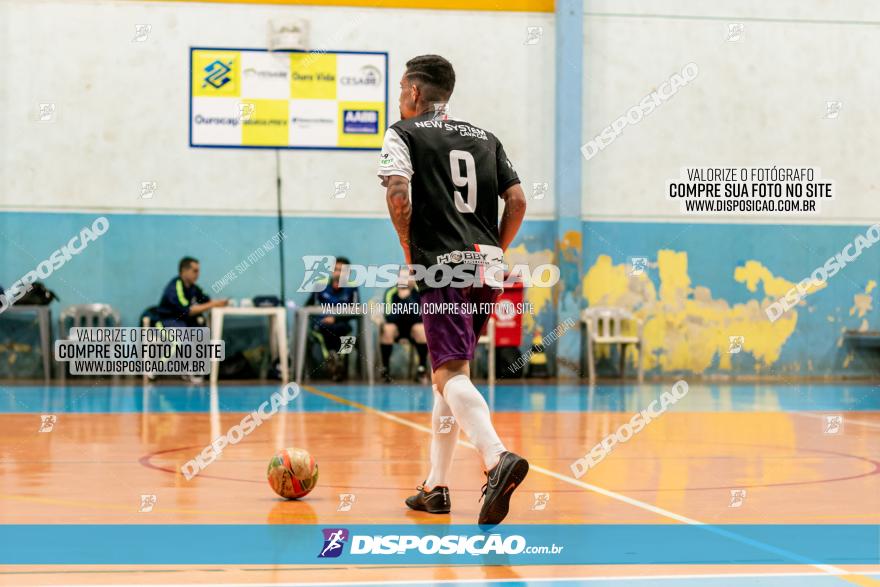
{"x": 793, "y": 252}
{"x": 128, "y": 266}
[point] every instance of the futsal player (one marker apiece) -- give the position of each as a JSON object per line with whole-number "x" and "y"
{"x": 403, "y": 319}
{"x": 183, "y": 301}
{"x": 327, "y": 328}
{"x": 456, "y": 172}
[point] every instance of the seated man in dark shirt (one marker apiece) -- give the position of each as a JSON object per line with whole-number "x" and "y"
{"x": 327, "y": 328}
{"x": 403, "y": 319}
{"x": 183, "y": 301}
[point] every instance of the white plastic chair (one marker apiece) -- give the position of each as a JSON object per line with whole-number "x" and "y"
{"x": 604, "y": 325}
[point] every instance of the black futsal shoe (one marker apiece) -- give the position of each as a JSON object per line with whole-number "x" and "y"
{"x": 501, "y": 482}
{"x": 435, "y": 501}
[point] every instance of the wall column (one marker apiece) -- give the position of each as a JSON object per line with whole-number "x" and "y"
{"x": 568, "y": 186}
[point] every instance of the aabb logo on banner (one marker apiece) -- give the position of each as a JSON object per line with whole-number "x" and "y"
{"x": 360, "y": 121}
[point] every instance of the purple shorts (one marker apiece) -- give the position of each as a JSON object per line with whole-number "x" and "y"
{"x": 453, "y": 319}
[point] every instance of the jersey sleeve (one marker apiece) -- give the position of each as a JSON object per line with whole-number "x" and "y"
{"x": 394, "y": 159}
{"x": 504, "y": 168}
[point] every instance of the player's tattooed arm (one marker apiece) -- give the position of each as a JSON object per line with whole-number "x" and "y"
{"x": 514, "y": 211}
{"x": 397, "y": 196}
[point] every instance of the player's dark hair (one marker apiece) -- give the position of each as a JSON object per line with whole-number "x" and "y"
{"x": 435, "y": 76}
{"x": 343, "y": 260}
{"x": 185, "y": 263}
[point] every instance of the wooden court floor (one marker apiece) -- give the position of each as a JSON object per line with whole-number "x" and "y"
{"x": 107, "y": 447}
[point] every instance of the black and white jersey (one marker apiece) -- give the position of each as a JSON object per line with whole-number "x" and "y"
{"x": 456, "y": 172}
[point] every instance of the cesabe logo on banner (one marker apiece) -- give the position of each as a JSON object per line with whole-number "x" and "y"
{"x": 56, "y": 261}
{"x": 370, "y": 75}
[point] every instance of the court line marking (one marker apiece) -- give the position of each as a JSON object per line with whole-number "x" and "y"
{"x": 836, "y": 572}
{"x": 124, "y": 510}
{"x": 861, "y": 574}
{"x": 828, "y": 569}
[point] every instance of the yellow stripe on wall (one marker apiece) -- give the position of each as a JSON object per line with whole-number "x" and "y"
{"x": 496, "y": 5}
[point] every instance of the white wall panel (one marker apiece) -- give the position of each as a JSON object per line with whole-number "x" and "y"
{"x": 122, "y": 106}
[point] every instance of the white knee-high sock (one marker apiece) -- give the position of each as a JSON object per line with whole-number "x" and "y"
{"x": 472, "y": 413}
{"x": 445, "y": 437}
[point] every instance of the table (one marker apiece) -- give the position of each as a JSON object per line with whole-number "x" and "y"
{"x": 277, "y": 334}
{"x": 44, "y": 316}
{"x": 302, "y": 333}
